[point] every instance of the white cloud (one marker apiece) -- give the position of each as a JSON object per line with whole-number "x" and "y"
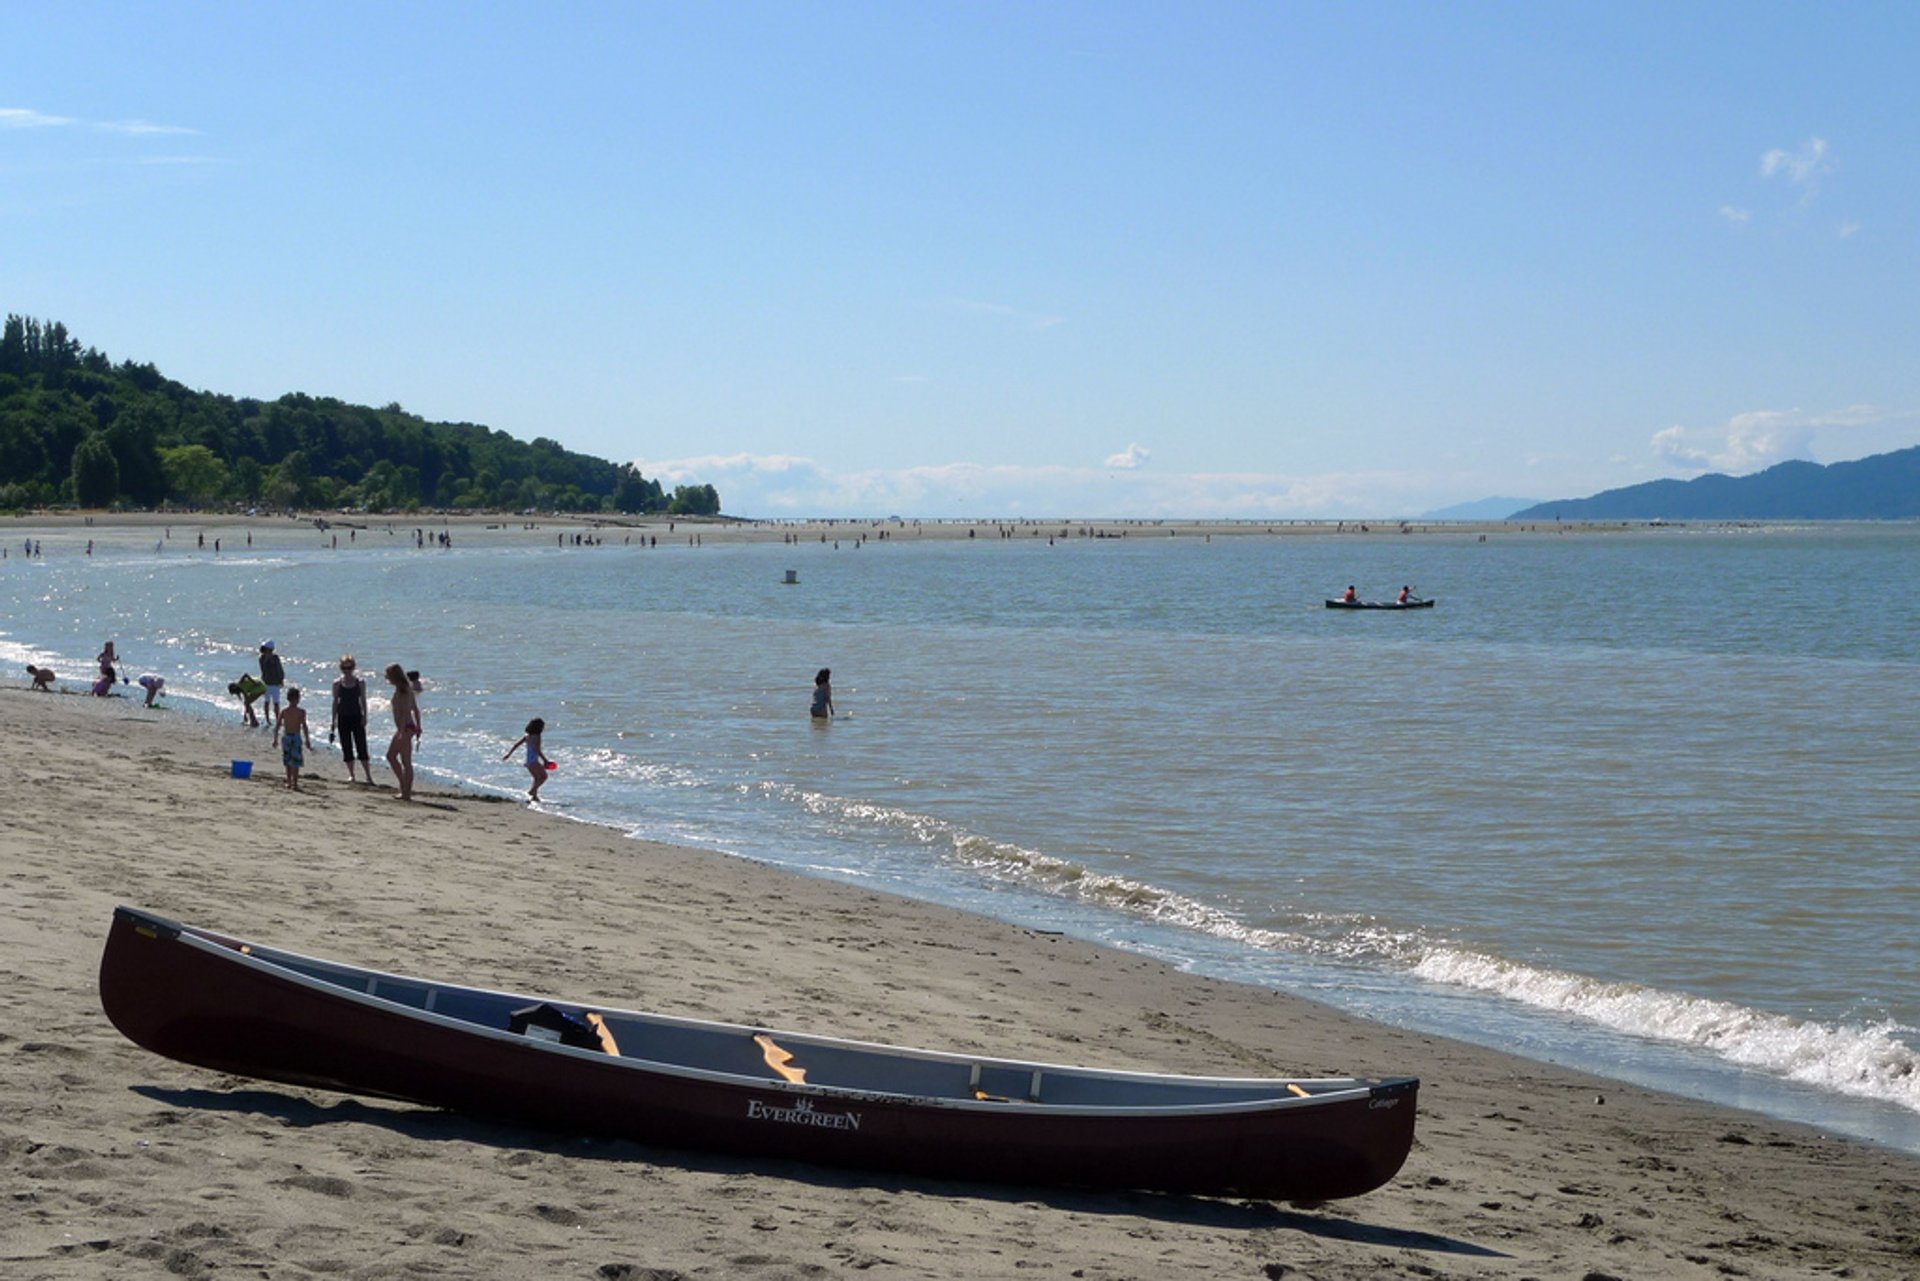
{"x": 1736, "y": 217}
{"x": 1757, "y": 440}
{"x": 1129, "y": 458}
{"x": 1847, "y": 229}
{"x": 27, "y": 118}
{"x": 1805, "y": 166}
{"x": 23, "y": 118}
{"x": 141, "y": 128}
{"x": 1000, "y": 311}
{"x": 785, "y": 486}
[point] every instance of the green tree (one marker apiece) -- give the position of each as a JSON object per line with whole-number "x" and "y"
{"x": 194, "y": 472}
{"x": 694, "y": 500}
{"x": 134, "y": 437}
{"x": 96, "y": 473}
{"x": 287, "y": 481}
{"x": 55, "y": 393}
{"x": 633, "y": 492}
{"x": 248, "y": 476}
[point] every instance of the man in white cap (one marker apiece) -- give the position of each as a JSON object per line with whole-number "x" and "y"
{"x": 274, "y": 675}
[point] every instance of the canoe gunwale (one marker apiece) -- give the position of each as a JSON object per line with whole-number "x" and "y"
{"x": 1333, "y": 1089}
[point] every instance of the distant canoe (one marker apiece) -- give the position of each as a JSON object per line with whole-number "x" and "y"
{"x": 1379, "y": 604}
{"x": 230, "y": 1006}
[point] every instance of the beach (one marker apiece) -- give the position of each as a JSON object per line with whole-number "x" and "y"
{"x": 118, "y": 1162}
{"x": 190, "y": 531}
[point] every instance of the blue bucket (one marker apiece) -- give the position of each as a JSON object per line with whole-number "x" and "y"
{"x": 243, "y": 769}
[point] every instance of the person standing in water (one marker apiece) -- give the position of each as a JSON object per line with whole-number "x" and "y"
{"x": 822, "y": 709}
{"x": 537, "y": 762}
{"x": 400, "y": 749}
{"x": 350, "y": 716}
{"x": 273, "y": 674}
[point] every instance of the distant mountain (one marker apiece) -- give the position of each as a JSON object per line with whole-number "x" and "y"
{"x": 1883, "y": 487}
{"x": 1484, "y": 509}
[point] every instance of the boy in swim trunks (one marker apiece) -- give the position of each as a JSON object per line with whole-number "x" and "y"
{"x": 292, "y": 737}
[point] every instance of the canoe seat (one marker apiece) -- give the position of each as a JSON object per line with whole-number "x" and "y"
{"x": 779, "y": 1060}
{"x": 984, "y": 1095}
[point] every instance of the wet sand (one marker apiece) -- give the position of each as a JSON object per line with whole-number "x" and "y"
{"x": 117, "y": 1162}
{"x": 196, "y": 532}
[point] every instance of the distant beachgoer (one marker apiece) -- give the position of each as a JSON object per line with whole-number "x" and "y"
{"x": 107, "y": 659}
{"x": 1351, "y": 596}
{"x": 249, "y": 687}
{"x": 822, "y": 695}
{"x": 536, "y": 761}
{"x": 400, "y": 749}
{"x": 154, "y": 684}
{"x": 42, "y": 678}
{"x": 293, "y": 737}
{"x": 273, "y": 673}
{"x": 350, "y": 716}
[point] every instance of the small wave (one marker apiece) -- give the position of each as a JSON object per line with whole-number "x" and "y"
{"x": 605, "y": 762}
{"x": 15, "y": 656}
{"x": 1870, "y": 1062}
{"x": 1342, "y": 937}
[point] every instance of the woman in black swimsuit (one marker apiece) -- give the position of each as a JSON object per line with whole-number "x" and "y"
{"x": 350, "y": 716}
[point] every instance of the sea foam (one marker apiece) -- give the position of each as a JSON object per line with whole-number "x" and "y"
{"x": 1870, "y": 1061}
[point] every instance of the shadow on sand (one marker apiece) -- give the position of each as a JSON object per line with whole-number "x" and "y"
{"x": 431, "y": 1125}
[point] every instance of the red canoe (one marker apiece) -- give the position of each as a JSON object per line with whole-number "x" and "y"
{"x": 231, "y": 1006}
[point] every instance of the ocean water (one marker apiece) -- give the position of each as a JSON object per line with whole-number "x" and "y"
{"x": 1645, "y": 803}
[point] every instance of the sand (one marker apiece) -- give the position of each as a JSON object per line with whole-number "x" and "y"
{"x": 120, "y": 1163}
{"x": 195, "y": 533}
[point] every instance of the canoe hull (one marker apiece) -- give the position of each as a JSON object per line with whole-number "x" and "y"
{"x": 1379, "y": 604}
{"x": 209, "y": 1006}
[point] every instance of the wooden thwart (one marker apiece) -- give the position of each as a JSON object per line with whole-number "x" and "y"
{"x": 1033, "y": 1089}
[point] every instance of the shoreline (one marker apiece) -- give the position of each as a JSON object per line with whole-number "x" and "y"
{"x": 534, "y": 529}
{"x": 1519, "y": 1168}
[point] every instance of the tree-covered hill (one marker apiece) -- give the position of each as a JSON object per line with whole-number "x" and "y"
{"x": 77, "y": 428}
{"x": 1882, "y": 487}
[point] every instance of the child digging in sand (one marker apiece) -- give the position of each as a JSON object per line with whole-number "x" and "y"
{"x": 537, "y": 762}
{"x": 292, "y": 736}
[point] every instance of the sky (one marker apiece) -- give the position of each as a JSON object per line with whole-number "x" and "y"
{"x": 1262, "y": 260}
